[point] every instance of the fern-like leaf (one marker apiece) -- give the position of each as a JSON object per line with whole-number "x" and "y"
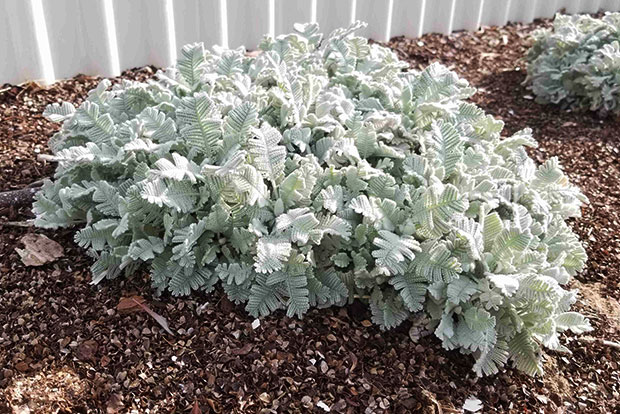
{"x": 393, "y": 250}
{"x": 59, "y": 112}
{"x": 199, "y": 124}
{"x": 271, "y": 252}
{"x": 191, "y": 62}
{"x": 268, "y": 157}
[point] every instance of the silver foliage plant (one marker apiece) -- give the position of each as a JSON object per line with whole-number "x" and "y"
{"x": 576, "y": 63}
{"x": 319, "y": 172}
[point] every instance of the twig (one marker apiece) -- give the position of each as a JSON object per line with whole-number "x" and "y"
{"x": 27, "y": 223}
{"x": 592, "y": 340}
{"x": 45, "y": 157}
{"x": 36, "y": 184}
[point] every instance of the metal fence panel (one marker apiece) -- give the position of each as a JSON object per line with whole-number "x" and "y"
{"x": 378, "y": 15}
{"x": 408, "y": 17}
{"x": 47, "y": 40}
{"x": 21, "y": 43}
{"x": 495, "y": 13}
{"x": 79, "y": 41}
{"x": 438, "y": 16}
{"x": 468, "y": 14}
{"x": 332, "y": 14}
{"x": 198, "y": 21}
{"x": 143, "y": 33}
{"x": 289, "y": 12}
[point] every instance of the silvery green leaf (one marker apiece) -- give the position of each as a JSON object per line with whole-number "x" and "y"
{"x": 271, "y": 252}
{"x": 268, "y": 157}
{"x": 299, "y": 222}
{"x": 199, "y": 125}
{"x": 59, "y": 112}
{"x": 461, "y": 289}
{"x": 178, "y": 169}
{"x": 191, "y": 63}
{"x": 394, "y": 250}
{"x": 507, "y": 284}
{"x": 573, "y": 321}
{"x": 145, "y": 249}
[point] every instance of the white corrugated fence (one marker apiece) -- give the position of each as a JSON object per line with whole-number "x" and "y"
{"x": 47, "y": 40}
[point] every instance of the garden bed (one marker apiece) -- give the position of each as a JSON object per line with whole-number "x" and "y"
{"x": 64, "y": 345}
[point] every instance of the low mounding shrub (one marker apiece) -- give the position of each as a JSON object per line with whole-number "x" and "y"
{"x": 319, "y": 172}
{"x": 577, "y": 63}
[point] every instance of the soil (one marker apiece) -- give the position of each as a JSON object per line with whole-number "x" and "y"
{"x": 65, "y": 347}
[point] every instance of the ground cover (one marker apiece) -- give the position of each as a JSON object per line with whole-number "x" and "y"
{"x": 65, "y": 346}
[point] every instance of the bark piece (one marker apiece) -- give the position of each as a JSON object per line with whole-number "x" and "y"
{"x": 39, "y": 250}
{"x": 17, "y": 198}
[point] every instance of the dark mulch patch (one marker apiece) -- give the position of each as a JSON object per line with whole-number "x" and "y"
{"x": 65, "y": 348}
{"x": 24, "y": 131}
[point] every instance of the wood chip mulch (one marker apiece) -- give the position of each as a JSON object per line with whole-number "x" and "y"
{"x": 64, "y": 346}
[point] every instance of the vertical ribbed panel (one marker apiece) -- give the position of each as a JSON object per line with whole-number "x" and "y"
{"x": 197, "y": 21}
{"x": 495, "y": 12}
{"x": 547, "y": 8}
{"x": 377, "y": 14}
{"x": 248, "y": 21}
{"x": 20, "y": 58}
{"x": 408, "y": 17}
{"x": 77, "y": 43}
{"x": 590, "y": 6}
{"x": 573, "y": 6}
{"x": 610, "y": 5}
{"x": 522, "y": 11}
{"x": 438, "y": 16}
{"x": 289, "y": 12}
{"x": 46, "y": 40}
{"x": 142, "y": 33}
{"x": 332, "y": 14}
{"x": 468, "y": 14}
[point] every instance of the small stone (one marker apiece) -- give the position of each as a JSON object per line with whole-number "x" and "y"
{"x": 324, "y": 367}
{"x": 306, "y": 401}
{"x": 87, "y": 350}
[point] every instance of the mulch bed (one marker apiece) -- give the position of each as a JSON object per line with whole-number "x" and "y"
{"x": 64, "y": 346}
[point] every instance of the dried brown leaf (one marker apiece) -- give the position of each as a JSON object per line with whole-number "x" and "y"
{"x": 129, "y": 304}
{"x": 115, "y": 404}
{"x": 158, "y": 318}
{"x": 353, "y": 361}
{"x": 196, "y": 409}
